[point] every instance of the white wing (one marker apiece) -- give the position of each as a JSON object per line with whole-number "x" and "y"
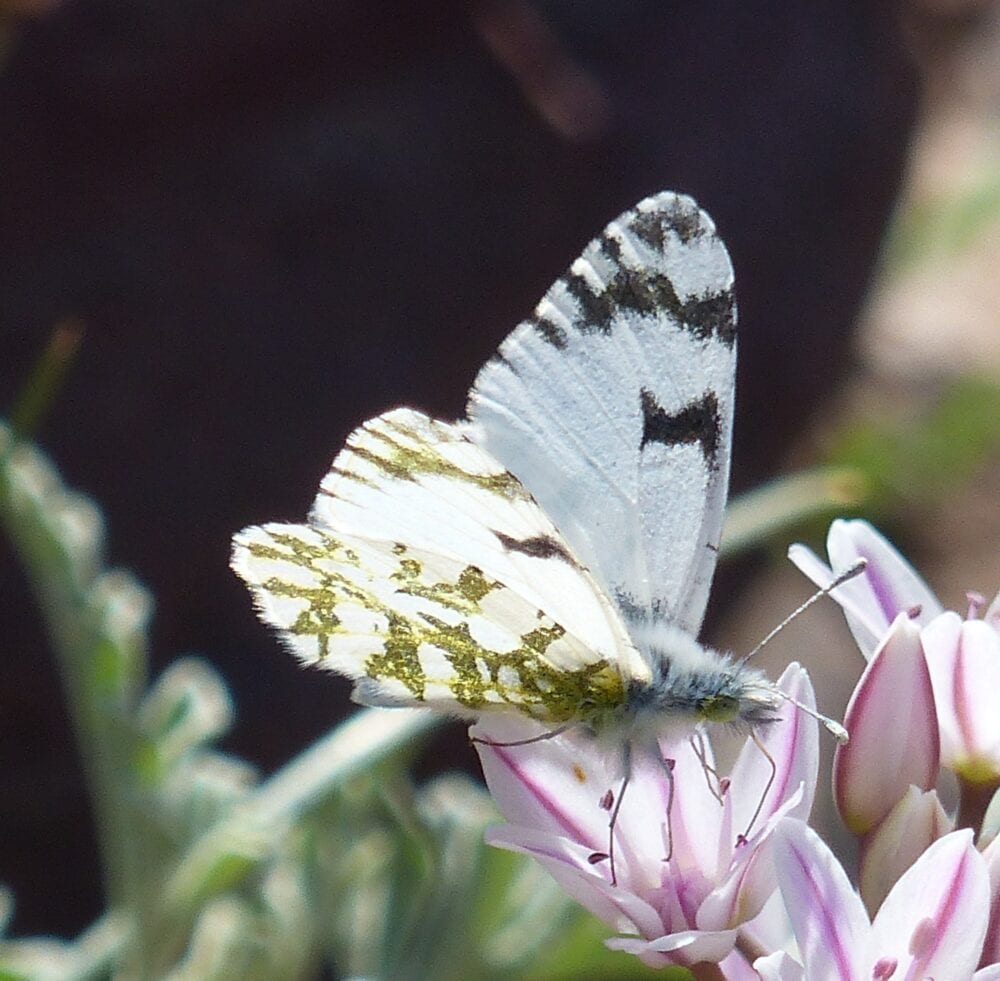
{"x": 613, "y": 404}
{"x": 430, "y": 575}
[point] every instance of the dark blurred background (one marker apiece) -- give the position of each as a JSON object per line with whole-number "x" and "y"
{"x": 278, "y": 219}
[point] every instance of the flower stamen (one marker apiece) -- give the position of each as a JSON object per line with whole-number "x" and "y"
{"x": 976, "y": 603}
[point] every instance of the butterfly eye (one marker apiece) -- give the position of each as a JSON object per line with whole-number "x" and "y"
{"x": 719, "y": 708}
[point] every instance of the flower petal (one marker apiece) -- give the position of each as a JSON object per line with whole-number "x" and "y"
{"x": 690, "y": 947}
{"x": 736, "y": 967}
{"x": 893, "y": 728}
{"x": 992, "y": 614}
{"x": 764, "y": 786}
{"x": 934, "y": 920}
{"x": 567, "y": 862}
{"x": 771, "y": 929}
{"x": 553, "y": 785}
{"x": 888, "y": 586}
{"x": 991, "y": 948}
{"x": 779, "y": 966}
{"x": 964, "y": 661}
{"x": 651, "y": 825}
{"x": 750, "y": 881}
{"x": 829, "y": 920}
{"x": 793, "y": 745}
{"x": 911, "y": 827}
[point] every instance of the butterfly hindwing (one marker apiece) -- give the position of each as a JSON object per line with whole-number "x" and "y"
{"x": 614, "y": 404}
{"x": 429, "y": 575}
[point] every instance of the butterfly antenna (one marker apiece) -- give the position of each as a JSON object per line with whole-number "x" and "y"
{"x": 832, "y": 726}
{"x": 850, "y": 573}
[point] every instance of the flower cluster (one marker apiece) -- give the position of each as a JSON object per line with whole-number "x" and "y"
{"x": 712, "y": 875}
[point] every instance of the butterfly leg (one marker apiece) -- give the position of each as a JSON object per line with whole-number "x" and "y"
{"x": 717, "y": 785}
{"x": 767, "y": 788}
{"x": 614, "y": 806}
{"x": 541, "y": 737}
{"x": 609, "y": 802}
{"x": 667, "y": 765}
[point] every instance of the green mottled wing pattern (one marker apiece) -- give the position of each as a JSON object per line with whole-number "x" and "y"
{"x": 429, "y": 575}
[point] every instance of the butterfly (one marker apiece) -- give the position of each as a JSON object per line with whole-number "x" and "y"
{"x": 551, "y": 554}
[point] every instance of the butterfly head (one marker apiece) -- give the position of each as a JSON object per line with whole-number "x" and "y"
{"x": 741, "y": 701}
{"x": 737, "y": 696}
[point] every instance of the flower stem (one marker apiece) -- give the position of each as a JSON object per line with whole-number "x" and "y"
{"x": 749, "y": 947}
{"x": 974, "y": 798}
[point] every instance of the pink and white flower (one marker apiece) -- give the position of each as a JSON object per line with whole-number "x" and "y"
{"x": 962, "y": 653}
{"x": 688, "y": 863}
{"x": 964, "y": 661}
{"x": 909, "y": 829}
{"x": 872, "y": 600}
{"x": 932, "y": 924}
{"x": 928, "y": 699}
{"x": 721, "y": 871}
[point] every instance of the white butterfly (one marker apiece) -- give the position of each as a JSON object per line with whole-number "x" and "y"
{"x": 552, "y": 554}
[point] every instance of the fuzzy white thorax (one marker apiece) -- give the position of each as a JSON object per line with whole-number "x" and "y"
{"x": 692, "y": 684}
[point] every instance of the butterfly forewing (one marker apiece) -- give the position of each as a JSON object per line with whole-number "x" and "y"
{"x": 614, "y": 404}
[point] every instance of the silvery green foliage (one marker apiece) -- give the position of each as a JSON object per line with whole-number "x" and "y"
{"x": 212, "y": 874}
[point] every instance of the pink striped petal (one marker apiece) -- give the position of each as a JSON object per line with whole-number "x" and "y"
{"x": 830, "y": 923}
{"x": 933, "y": 922}
{"x": 893, "y": 728}
{"x": 911, "y": 827}
{"x": 567, "y": 862}
{"x": 793, "y": 745}
{"x": 888, "y": 586}
{"x": 964, "y": 661}
{"x": 686, "y": 948}
{"x": 750, "y": 881}
{"x": 746, "y": 882}
{"x": 553, "y": 785}
{"x": 991, "y": 948}
{"x": 779, "y": 966}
